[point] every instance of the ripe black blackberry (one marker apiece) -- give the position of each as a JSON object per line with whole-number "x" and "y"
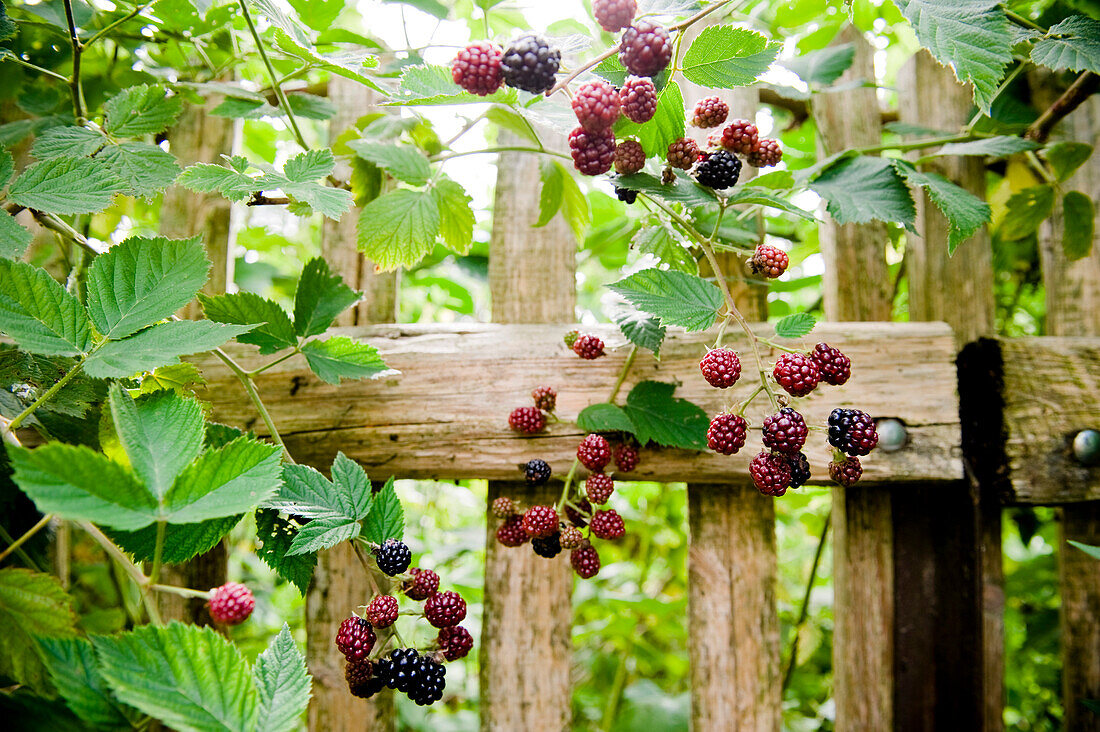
{"x": 530, "y": 64}
{"x": 626, "y": 195}
{"x": 540, "y": 521}
{"x": 588, "y": 347}
{"x": 585, "y": 560}
{"x": 796, "y": 373}
{"x": 626, "y": 458}
{"x": 800, "y": 469}
{"x": 599, "y": 487}
{"x": 382, "y": 611}
{"x": 718, "y": 170}
{"x": 424, "y": 583}
{"x": 355, "y": 638}
{"x": 607, "y": 524}
{"x": 536, "y": 472}
{"x": 403, "y": 669}
{"x": 614, "y": 15}
{"x": 444, "y": 609}
{"x": 726, "y": 434}
{"x": 769, "y": 261}
{"x": 785, "y": 431}
{"x": 629, "y": 157}
{"x": 511, "y": 533}
{"x": 547, "y": 547}
{"x": 721, "y": 367}
{"x": 593, "y": 152}
{"x": 739, "y": 136}
{"x": 596, "y": 105}
{"x": 476, "y": 68}
{"x": 846, "y": 472}
{"x": 594, "y": 452}
{"x": 362, "y": 680}
{"x": 503, "y": 506}
{"x": 455, "y": 642}
{"x": 645, "y": 48}
{"x": 428, "y": 682}
{"x": 770, "y": 473}
{"x": 638, "y": 99}
{"x": 710, "y": 112}
{"x": 766, "y": 154}
{"x": 546, "y": 398}
{"x": 852, "y": 431}
{"x": 527, "y": 420}
{"x": 393, "y": 557}
{"x": 835, "y": 367}
{"x": 571, "y": 537}
{"x": 683, "y": 153}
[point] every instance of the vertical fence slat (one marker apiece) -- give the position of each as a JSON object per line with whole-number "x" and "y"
{"x": 526, "y": 635}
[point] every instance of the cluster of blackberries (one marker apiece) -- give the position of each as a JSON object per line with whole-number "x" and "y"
{"x": 529, "y": 63}
{"x": 422, "y": 677}
{"x": 800, "y": 373}
{"x": 530, "y": 420}
{"x": 586, "y": 346}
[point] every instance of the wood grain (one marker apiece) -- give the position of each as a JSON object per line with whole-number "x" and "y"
{"x": 1079, "y": 576}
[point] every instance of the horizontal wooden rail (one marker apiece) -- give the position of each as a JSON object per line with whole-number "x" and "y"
{"x": 445, "y": 415}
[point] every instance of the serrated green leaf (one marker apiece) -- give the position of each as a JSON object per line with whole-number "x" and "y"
{"x": 666, "y": 127}
{"x": 67, "y": 142}
{"x": 182, "y": 542}
{"x": 575, "y": 208}
{"x": 1066, "y": 157}
{"x": 795, "y": 325}
{"x": 1073, "y": 44}
{"x": 321, "y": 534}
{"x": 604, "y": 418}
{"x": 32, "y": 605}
{"x": 161, "y": 434}
{"x": 1026, "y": 210}
{"x": 399, "y": 228}
{"x": 682, "y": 190}
{"x": 74, "y": 671}
{"x": 726, "y": 57}
{"x": 456, "y": 215}
{"x": 310, "y": 165}
{"x": 401, "y": 161}
{"x": 996, "y": 147}
{"x": 298, "y": 182}
{"x": 1078, "y": 224}
{"x": 275, "y": 535}
{"x": 191, "y": 678}
{"x": 658, "y": 239}
{"x": 515, "y": 123}
{"x": 676, "y": 298}
{"x": 755, "y": 195}
{"x": 39, "y": 314}
{"x": 640, "y": 329}
{"x": 283, "y": 684}
{"x": 224, "y": 481}
{"x": 141, "y": 110}
{"x": 321, "y": 296}
{"x": 14, "y": 239}
{"x": 1092, "y": 551}
{"x": 386, "y": 519}
{"x": 433, "y": 85}
{"x": 177, "y": 377}
{"x": 208, "y": 178}
{"x": 859, "y": 190}
{"x": 242, "y": 308}
{"x": 965, "y": 212}
{"x": 307, "y": 493}
{"x": 776, "y": 179}
{"x": 7, "y": 165}
{"x": 145, "y": 169}
{"x": 159, "y": 345}
{"x": 823, "y": 66}
{"x": 7, "y": 25}
{"x": 659, "y": 417}
{"x": 550, "y": 195}
{"x": 66, "y": 186}
{"x": 141, "y": 281}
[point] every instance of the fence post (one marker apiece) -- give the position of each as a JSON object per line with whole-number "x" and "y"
{"x": 949, "y": 582}
{"x": 526, "y": 633}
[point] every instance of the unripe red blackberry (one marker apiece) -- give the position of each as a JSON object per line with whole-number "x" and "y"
{"x": 739, "y": 136}
{"x": 766, "y": 154}
{"x": 231, "y": 604}
{"x": 638, "y": 99}
{"x": 645, "y": 48}
{"x": 683, "y": 153}
{"x": 382, "y": 611}
{"x": 835, "y": 367}
{"x": 527, "y": 420}
{"x": 785, "y": 431}
{"x": 476, "y": 68}
{"x": 425, "y": 583}
{"x": 721, "y": 367}
{"x": 594, "y": 452}
{"x": 769, "y": 261}
{"x": 626, "y": 458}
{"x": 614, "y": 15}
{"x": 596, "y": 104}
{"x": 355, "y": 638}
{"x": 571, "y": 337}
{"x": 530, "y": 63}
{"x": 547, "y": 547}
{"x": 770, "y": 473}
{"x": 503, "y": 507}
{"x": 588, "y": 347}
{"x": 546, "y": 398}
{"x": 629, "y": 158}
{"x": 846, "y": 472}
{"x": 540, "y": 521}
{"x": 577, "y": 518}
{"x": 852, "y": 431}
{"x": 444, "y": 609}
{"x": 607, "y": 524}
{"x": 726, "y": 434}
{"x": 571, "y": 537}
{"x": 362, "y": 680}
{"x": 599, "y": 487}
{"x": 800, "y": 469}
{"x": 710, "y": 112}
{"x": 536, "y": 472}
{"x": 511, "y": 532}
{"x": 718, "y": 170}
{"x": 585, "y": 560}
{"x": 796, "y": 373}
{"x": 593, "y": 152}
{"x": 455, "y": 642}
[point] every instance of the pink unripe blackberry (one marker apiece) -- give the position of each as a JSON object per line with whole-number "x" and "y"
{"x": 682, "y": 153}
{"x": 503, "y": 507}
{"x": 599, "y": 487}
{"x": 425, "y": 583}
{"x": 596, "y": 105}
{"x": 455, "y": 642}
{"x": 739, "y": 136}
{"x": 726, "y": 434}
{"x": 607, "y": 524}
{"x": 355, "y": 638}
{"x": 545, "y": 398}
{"x": 710, "y": 112}
{"x": 721, "y": 367}
{"x": 770, "y": 473}
{"x": 527, "y": 420}
{"x": 766, "y": 154}
{"x": 796, "y": 373}
{"x": 511, "y": 532}
{"x": 588, "y": 347}
{"x": 382, "y": 611}
{"x": 540, "y": 521}
{"x": 445, "y": 609}
{"x": 846, "y": 472}
{"x": 638, "y": 99}
{"x": 769, "y": 261}
{"x": 571, "y": 537}
{"x": 614, "y": 15}
{"x": 626, "y": 458}
{"x": 593, "y": 152}
{"x": 594, "y": 452}
{"x": 585, "y": 560}
{"x": 645, "y": 48}
{"x": 476, "y": 68}
{"x": 231, "y": 604}
{"x": 629, "y": 157}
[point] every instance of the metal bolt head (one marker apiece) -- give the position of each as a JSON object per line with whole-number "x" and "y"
{"x": 892, "y": 435}
{"x": 1086, "y": 447}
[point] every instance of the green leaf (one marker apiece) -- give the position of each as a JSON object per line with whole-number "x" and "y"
{"x": 141, "y": 281}
{"x": 321, "y": 534}
{"x": 676, "y": 298}
{"x": 7, "y": 25}
{"x": 1092, "y": 551}
{"x": 321, "y": 296}
{"x": 726, "y": 57}
{"x": 973, "y": 37}
{"x": 659, "y": 417}
{"x": 550, "y": 195}
{"x": 1073, "y": 44}
{"x": 243, "y": 308}
{"x": 657, "y": 238}
{"x": 32, "y": 605}
{"x": 401, "y": 161}
{"x": 298, "y": 182}
{"x": 386, "y": 519}
{"x": 182, "y": 542}
{"x": 777, "y": 179}
{"x": 39, "y": 314}
{"x": 307, "y": 493}
{"x": 755, "y": 195}
{"x": 1026, "y": 210}
{"x": 141, "y": 110}
{"x": 575, "y": 206}
{"x": 604, "y": 418}
{"x": 995, "y": 147}
{"x": 224, "y": 481}
{"x": 191, "y": 678}
{"x": 965, "y": 212}
{"x": 666, "y": 127}
{"x": 399, "y": 228}
{"x": 516, "y": 123}
{"x": 823, "y": 66}
{"x": 275, "y": 535}
{"x": 858, "y": 190}
{"x": 208, "y": 178}
{"x": 145, "y": 169}
{"x": 66, "y": 186}
{"x": 74, "y": 671}
{"x": 67, "y": 142}
{"x": 161, "y": 433}
{"x": 7, "y": 163}
{"x": 157, "y": 346}
{"x": 1079, "y": 221}
{"x": 456, "y": 215}
{"x": 795, "y": 325}
{"x": 14, "y": 239}
{"x": 682, "y": 190}
{"x": 177, "y": 377}
{"x": 1067, "y": 157}
{"x": 283, "y": 684}
{"x": 433, "y": 85}
{"x": 640, "y": 329}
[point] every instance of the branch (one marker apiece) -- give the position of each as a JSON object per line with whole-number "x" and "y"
{"x": 1081, "y": 89}
{"x": 78, "y": 48}
{"x": 279, "y": 93}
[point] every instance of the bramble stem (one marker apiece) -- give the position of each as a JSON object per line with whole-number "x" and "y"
{"x": 492, "y": 150}
{"x": 158, "y": 551}
{"x": 129, "y": 16}
{"x": 78, "y": 48}
{"x": 276, "y": 362}
{"x": 568, "y": 484}
{"x": 26, "y": 536}
{"x": 279, "y": 93}
{"x": 49, "y": 394}
{"x": 623, "y": 374}
{"x": 181, "y": 591}
{"x": 374, "y": 586}
{"x": 745, "y": 404}
{"x": 119, "y": 556}
{"x": 250, "y": 387}
{"x": 39, "y": 69}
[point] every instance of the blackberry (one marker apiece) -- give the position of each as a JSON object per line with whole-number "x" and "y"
{"x": 577, "y": 517}
{"x": 428, "y": 682}
{"x": 527, "y": 420}
{"x": 355, "y": 638}
{"x": 423, "y": 584}
{"x": 546, "y": 398}
{"x": 571, "y": 537}
{"x": 710, "y": 112}
{"x": 585, "y": 560}
{"x": 503, "y": 507}
{"x": 645, "y": 48}
{"x": 594, "y": 452}
{"x": 593, "y": 152}
{"x": 800, "y": 469}
{"x": 785, "y": 431}
{"x": 362, "y": 679}
{"x": 599, "y": 487}
{"x": 596, "y": 105}
{"x": 766, "y": 154}
{"x": 614, "y": 15}
{"x": 835, "y": 367}
{"x": 626, "y": 195}
{"x": 726, "y": 434}
{"x": 382, "y": 611}
{"x": 846, "y": 472}
{"x": 455, "y": 642}
{"x": 629, "y": 157}
{"x": 682, "y": 153}
{"x": 548, "y": 547}
{"x": 393, "y": 557}
{"x": 403, "y": 669}
{"x": 770, "y": 473}
{"x": 852, "y": 431}
{"x": 476, "y": 68}
{"x": 588, "y": 347}
{"x": 511, "y": 532}
{"x": 536, "y": 472}
{"x": 721, "y": 367}
{"x": 718, "y": 170}
{"x": 540, "y": 521}
{"x": 739, "y": 136}
{"x": 796, "y": 373}
{"x": 444, "y": 609}
{"x": 638, "y": 99}
{"x": 626, "y": 458}
{"x": 607, "y": 524}
{"x": 769, "y": 261}
{"x": 530, "y": 64}
{"x": 231, "y": 604}
{"x": 571, "y": 337}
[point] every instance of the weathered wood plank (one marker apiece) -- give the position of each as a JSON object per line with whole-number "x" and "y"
{"x": 1079, "y": 576}
{"x": 446, "y": 414}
